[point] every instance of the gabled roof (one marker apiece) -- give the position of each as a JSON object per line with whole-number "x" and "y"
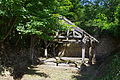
{"x": 75, "y": 32}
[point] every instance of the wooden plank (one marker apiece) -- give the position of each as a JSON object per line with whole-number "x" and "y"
{"x": 77, "y": 34}
{"x": 82, "y": 31}
{"x": 63, "y": 37}
{"x": 59, "y": 37}
{"x": 71, "y": 40}
{"x": 68, "y": 41}
{"x": 67, "y": 34}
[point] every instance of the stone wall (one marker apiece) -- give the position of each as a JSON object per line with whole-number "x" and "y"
{"x": 105, "y": 47}
{"x": 72, "y": 50}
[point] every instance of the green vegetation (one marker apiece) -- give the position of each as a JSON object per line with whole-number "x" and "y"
{"x": 34, "y": 17}
{"x": 26, "y": 26}
{"x": 110, "y": 71}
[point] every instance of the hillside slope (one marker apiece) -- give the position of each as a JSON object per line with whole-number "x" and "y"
{"x": 110, "y": 69}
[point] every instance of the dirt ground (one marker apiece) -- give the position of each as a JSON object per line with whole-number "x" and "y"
{"x": 52, "y": 72}
{"x": 43, "y": 72}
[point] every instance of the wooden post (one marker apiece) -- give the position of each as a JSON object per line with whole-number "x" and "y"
{"x": 90, "y": 55}
{"x": 46, "y": 53}
{"x": 67, "y": 34}
{"x": 94, "y": 54}
{"x": 83, "y": 49}
{"x": 83, "y": 53}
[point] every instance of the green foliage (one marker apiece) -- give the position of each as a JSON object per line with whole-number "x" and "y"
{"x": 62, "y": 6}
{"x": 98, "y": 16}
{"x": 100, "y": 21}
{"x": 34, "y": 17}
{"x": 117, "y": 15}
{"x": 112, "y": 69}
{"x": 19, "y": 19}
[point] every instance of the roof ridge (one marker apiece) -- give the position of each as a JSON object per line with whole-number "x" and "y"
{"x": 78, "y": 28}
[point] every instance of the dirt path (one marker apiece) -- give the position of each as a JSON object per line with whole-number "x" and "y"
{"x": 51, "y": 72}
{"x": 45, "y": 72}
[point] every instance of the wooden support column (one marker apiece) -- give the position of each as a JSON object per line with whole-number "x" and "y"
{"x": 45, "y": 50}
{"x": 83, "y": 53}
{"x": 94, "y": 54}
{"x": 82, "y": 44}
{"x": 90, "y": 55}
{"x": 83, "y": 66}
{"x": 67, "y": 34}
{"x": 46, "y": 53}
{"x": 83, "y": 48}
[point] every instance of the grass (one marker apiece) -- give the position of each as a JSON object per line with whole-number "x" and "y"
{"x": 111, "y": 69}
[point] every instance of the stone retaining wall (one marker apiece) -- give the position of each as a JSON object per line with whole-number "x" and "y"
{"x": 105, "y": 47}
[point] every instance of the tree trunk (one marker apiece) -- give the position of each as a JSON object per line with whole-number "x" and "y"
{"x": 32, "y": 48}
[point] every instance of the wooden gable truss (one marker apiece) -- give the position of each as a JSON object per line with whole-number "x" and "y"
{"x": 77, "y": 35}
